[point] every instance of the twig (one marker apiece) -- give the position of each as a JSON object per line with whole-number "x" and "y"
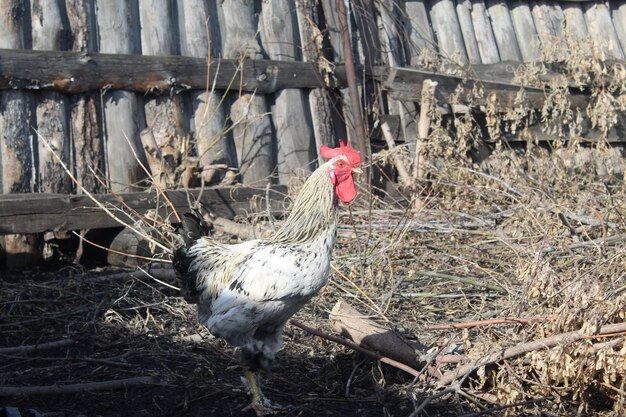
{"x": 403, "y": 173}
{"x": 480, "y": 323}
{"x": 546, "y": 342}
{"x": 9, "y": 391}
{"x": 356, "y": 347}
{"x": 36, "y": 347}
{"x": 504, "y": 407}
{"x": 462, "y": 280}
{"x": 423, "y": 126}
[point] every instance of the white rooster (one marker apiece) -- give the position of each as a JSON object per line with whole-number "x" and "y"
{"x": 246, "y": 292}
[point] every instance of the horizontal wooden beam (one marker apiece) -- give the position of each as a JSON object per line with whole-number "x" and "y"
{"x": 36, "y": 213}
{"x": 79, "y": 72}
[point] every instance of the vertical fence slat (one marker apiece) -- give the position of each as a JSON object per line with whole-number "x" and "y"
{"x": 252, "y": 127}
{"x": 85, "y": 127}
{"x": 484, "y": 33}
{"x": 448, "y": 31}
{"x": 418, "y": 26}
{"x": 602, "y": 31}
{"x": 549, "y": 20}
{"x": 51, "y": 109}
{"x": 527, "y": 37}
{"x": 503, "y": 30}
{"x": 619, "y": 21}
{"x": 320, "y": 101}
{"x": 464, "y": 13}
{"x": 16, "y": 162}
{"x": 290, "y": 112}
{"x": 575, "y": 25}
{"x": 200, "y": 38}
{"x": 123, "y": 119}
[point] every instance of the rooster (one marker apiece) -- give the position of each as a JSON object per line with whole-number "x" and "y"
{"x": 246, "y": 292}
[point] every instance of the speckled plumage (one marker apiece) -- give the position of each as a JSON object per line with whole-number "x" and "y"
{"x": 246, "y": 292}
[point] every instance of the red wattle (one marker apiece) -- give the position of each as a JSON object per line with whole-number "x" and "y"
{"x": 346, "y": 190}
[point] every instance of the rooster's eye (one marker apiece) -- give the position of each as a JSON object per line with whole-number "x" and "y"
{"x": 340, "y": 164}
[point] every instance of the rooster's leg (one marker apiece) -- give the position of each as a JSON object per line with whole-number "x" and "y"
{"x": 261, "y": 405}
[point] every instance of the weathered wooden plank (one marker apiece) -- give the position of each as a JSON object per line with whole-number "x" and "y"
{"x": 448, "y": 31}
{"x": 527, "y": 37}
{"x": 212, "y": 138}
{"x": 35, "y": 213}
{"x": 405, "y": 83}
{"x": 119, "y": 33}
{"x": 619, "y": 21}
{"x": 79, "y": 72}
{"x": 86, "y": 126}
{"x": 503, "y": 30}
{"x": 252, "y": 126}
{"x": 51, "y": 115}
{"x": 484, "y": 33}
{"x": 417, "y": 25}
{"x": 290, "y": 112}
{"x": 464, "y": 13}
{"x": 164, "y": 118}
{"x": 549, "y": 20}
{"x": 16, "y": 162}
{"x": 601, "y": 29}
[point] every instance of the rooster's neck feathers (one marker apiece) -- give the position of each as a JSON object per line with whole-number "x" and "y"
{"x": 313, "y": 211}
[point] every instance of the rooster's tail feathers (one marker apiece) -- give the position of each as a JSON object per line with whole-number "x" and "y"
{"x": 192, "y": 228}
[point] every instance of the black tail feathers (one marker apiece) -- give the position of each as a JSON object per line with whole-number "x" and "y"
{"x": 192, "y": 228}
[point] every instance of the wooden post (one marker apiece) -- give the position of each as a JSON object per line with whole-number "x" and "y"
{"x": 123, "y": 118}
{"x": 484, "y": 34}
{"x": 252, "y": 126}
{"x": 320, "y": 102}
{"x": 503, "y": 31}
{"x": 290, "y": 112}
{"x": 163, "y": 114}
{"x": 85, "y": 128}
{"x": 549, "y": 20}
{"x": 464, "y": 13}
{"x": 525, "y": 31}
{"x": 200, "y": 37}
{"x": 16, "y": 161}
{"x": 51, "y": 115}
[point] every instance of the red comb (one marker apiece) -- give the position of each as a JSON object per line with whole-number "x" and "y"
{"x": 353, "y": 156}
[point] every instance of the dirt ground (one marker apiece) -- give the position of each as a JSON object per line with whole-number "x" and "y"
{"x": 534, "y": 238}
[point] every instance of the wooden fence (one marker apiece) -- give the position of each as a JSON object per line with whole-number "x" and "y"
{"x": 111, "y": 85}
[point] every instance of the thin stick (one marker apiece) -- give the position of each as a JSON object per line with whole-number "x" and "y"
{"x": 480, "y": 323}
{"x": 546, "y": 342}
{"x": 36, "y": 347}
{"x": 423, "y": 126}
{"x": 13, "y": 391}
{"x": 356, "y": 347}
{"x": 403, "y": 173}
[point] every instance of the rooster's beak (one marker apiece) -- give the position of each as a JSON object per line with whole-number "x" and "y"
{"x": 357, "y": 170}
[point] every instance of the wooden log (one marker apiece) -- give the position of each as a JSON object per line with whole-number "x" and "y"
{"x": 51, "y": 116}
{"x": 463, "y": 12}
{"x": 619, "y": 21}
{"x": 72, "y": 72}
{"x": 348, "y": 321}
{"x": 575, "y": 25}
{"x": 484, "y": 33}
{"x": 528, "y": 39}
{"x": 601, "y": 29}
{"x": 503, "y": 31}
{"x": 200, "y": 38}
{"x": 448, "y": 31}
{"x": 323, "y": 113}
{"x": 417, "y": 25}
{"x": 35, "y": 213}
{"x": 161, "y": 169}
{"x": 252, "y": 126}
{"x": 163, "y": 114}
{"x": 128, "y": 250}
{"x": 118, "y": 30}
{"x": 290, "y": 111}
{"x": 85, "y": 128}
{"x": 16, "y": 163}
